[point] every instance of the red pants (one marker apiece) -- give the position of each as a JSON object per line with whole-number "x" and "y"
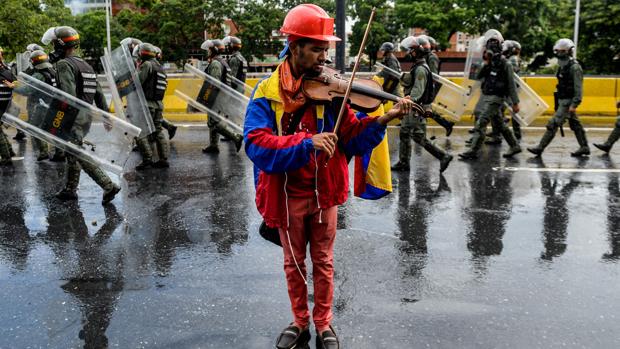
{"x": 304, "y": 226}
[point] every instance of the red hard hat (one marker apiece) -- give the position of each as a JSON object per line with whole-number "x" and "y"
{"x": 309, "y": 21}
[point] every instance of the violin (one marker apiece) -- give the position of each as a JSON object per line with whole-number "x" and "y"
{"x": 366, "y": 95}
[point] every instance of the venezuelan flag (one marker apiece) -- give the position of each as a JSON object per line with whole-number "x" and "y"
{"x": 372, "y": 174}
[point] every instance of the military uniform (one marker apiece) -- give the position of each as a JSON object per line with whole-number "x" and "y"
{"x": 497, "y": 84}
{"x": 154, "y": 83}
{"x": 390, "y": 83}
{"x": 218, "y": 69}
{"x": 495, "y": 136}
{"x": 569, "y": 92}
{"x": 613, "y": 137}
{"x": 238, "y": 69}
{"x": 419, "y": 85}
{"x": 78, "y": 79}
{"x": 36, "y": 112}
{"x": 433, "y": 63}
{"x": 6, "y": 94}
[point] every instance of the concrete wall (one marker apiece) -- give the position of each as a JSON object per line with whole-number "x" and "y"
{"x": 599, "y": 102}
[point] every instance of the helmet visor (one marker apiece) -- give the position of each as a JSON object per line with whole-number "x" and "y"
{"x": 49, "y": 36}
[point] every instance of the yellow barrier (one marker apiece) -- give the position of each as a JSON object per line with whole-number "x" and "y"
{"x": 600, "y": 97}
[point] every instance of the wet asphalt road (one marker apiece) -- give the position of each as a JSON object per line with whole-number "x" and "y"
{"x": 487, "y": 257}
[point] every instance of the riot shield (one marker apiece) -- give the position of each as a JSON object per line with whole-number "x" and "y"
{"x": 22, "y": 60}
{"x": 473, "y": 64}
{"x": 124, "y": 82}
{"x": 107, "y": 140}
{"x": 530, "y": 104}
{"x": 205, "y": 94}
{"x": 450, "y": 98}
{"x": 234, "y": 83}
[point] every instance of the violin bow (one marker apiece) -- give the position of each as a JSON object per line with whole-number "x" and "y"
{"x": 355, "y": 68}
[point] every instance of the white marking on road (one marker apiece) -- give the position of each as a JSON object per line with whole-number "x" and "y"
{"x": 557, "y": 169}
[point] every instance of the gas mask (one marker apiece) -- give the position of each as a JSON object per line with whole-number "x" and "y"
{"x": 56, "y": 55}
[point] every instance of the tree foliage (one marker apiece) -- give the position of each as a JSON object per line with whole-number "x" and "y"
{"x": 178, "y": 26}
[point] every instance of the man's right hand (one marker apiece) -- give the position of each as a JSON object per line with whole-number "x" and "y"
{"x": 326, "y": 142}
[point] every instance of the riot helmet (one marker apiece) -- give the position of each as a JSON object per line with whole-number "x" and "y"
{"x": 433, "y": 42}
{"x": 232, "y": 43}
{"x": 417, "y": 46}
{"x": 131, "y": 43}
{"x": 564, "y": 48}
{"x": 511, "y": 47}
{"x": 211, "y": 47}
{"x": 40, "y": 60}
{"x": 34, "y": 47}
{"x": 147, "y": 51}
{"x": 62, "y": 38}
{"x": 158, "y": 53}
{"x": 386, "y": 47}
{"x": 493, "y": 40}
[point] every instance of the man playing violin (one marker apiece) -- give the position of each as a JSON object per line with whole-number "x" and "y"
{"x": 302, "y": 167}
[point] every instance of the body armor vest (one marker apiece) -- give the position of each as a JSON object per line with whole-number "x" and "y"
{"x": 495, "y": 79}
{"x": 390, "y": 83}
{"x": 86, "y": 79}
{"x": 156, "y": 84}
{"x": 5, "y": 92}
{"x": 50, "y": 76}
{"x": 566, "y": 83}
{"x": 429, "y": 93}
{"x": 225, "y": 69}
{"x": 243, "y": 72}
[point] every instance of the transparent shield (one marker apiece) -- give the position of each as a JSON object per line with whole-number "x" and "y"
{"x": 107, "y": 140}
{"x": 475, "y": 58}
{"x": 530, "y": 104}
{"x": 450, "y": 98}
{"x": 204, "y": 94}
{"x": 22, "y": 60}
{"x": 125, "y": 84}
{"x": 240, "y": 86}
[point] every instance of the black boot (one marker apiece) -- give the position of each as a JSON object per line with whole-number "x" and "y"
{"x": 66, "y": 195}
{"x": 400, "y": 166}
{"x": 19, "y": 136}
{"x": 172, "y": 130}
{"x": 109, "y": 194}
{"x": 144, "y": 165}
{"x": 293, "y": 338}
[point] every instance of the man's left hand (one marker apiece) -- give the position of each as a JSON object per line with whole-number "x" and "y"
{"x": 572, "y": 109}
{"x": 399, "y": 110}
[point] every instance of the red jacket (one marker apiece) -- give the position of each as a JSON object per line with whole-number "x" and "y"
{"x": 274, "y": 154}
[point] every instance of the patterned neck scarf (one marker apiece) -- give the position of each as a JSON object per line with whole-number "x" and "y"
{"x": 290, "y": 88}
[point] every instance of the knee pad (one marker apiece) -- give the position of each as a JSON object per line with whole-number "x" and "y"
{"x": 553, "y": 124}
{"x": 419, "y": 138}
{"x": 617, "y": 122}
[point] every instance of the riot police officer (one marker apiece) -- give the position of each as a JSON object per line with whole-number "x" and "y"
{"x": 390, "y": 82}
{"x": 613, "y": 137}
{"x": 131, "y": 44}
{"x": 154, "y": 81}
{"x": 497, "y": 84}
{"x": 568, "y": 94}
{"x": 27, "y": 69}
{"x": 45, "y": 72}
{"x": 433, "y": 63}
{"x": 237, "y": 63}
{"x": 165, "y": 123}
{"x": 6, "y": 92}
{"x": 78, "y": 78}
{"x": 419, "y": 85}
{"x": 218, "y": 68}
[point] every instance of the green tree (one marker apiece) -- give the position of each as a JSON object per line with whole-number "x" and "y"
{"x": 25, "y": 21}
{"x": 93, "y": 37}
{"x": 599, "y": 39}
{"x": 256, "y": 21}
{"x": 380, "y": 29}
